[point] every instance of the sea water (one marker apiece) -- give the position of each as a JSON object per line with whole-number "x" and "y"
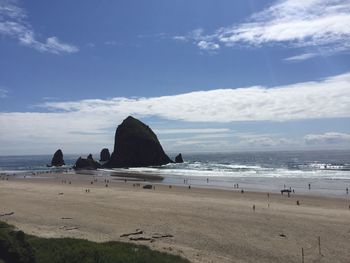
{"x": 325, "y": 172}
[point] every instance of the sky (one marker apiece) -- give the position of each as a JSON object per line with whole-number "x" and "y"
{"x": 206, "y": 76}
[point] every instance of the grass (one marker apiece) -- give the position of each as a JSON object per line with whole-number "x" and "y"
{"x": 18, "y": 247}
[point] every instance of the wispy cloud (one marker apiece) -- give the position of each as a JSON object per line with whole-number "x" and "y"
{"x": 320, "y": 25}
{"x": 327, "y": 138}
{"x": 229, "y": 141}
{"x": 304, "y": 56}
{"x": 263, "y": 140}
{"x": 3, "y": 93}
{"x": 207, "y": 45}
{"x": 64, "y": 122}
{"x": 14, "y": 23}
{"x": 327, "y": 98}
{"x": 195, "y": 131}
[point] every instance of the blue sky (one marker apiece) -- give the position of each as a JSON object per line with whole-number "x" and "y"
{"x": 206, "y": 75}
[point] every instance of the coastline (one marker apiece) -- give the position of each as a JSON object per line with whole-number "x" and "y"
{"x": 206, "y": 225}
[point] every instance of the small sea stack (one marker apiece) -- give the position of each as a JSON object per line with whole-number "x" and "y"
{"x": 57, "y": 159}
{"x": 178, "y": 158}
{"x": 86, "y": 164}
{"x": 136, "y": 145}
{"x": 105, "y": 155}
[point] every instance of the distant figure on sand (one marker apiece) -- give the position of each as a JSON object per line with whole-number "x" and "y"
{"x": 254, "y": 208}
{"x": 309, "y": 186}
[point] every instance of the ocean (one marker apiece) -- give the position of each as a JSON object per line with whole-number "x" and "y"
{"x": 327, "y": 172}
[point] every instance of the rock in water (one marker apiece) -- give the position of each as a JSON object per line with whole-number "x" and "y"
{"x": 136, "y": 145}
{"x": 90, "y": 157}
{"x": 86, "y": 164}
{"x": 105, "y": 155}
{"x": 57, "y": 159}
{"x": 178, "y": 158}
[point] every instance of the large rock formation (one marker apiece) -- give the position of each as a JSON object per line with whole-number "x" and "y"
{"x": 136, "y": 145}
{"x": 57, "y": 159}
{"x": 178, "y": 158}
{"x": 105, "y": 155}
{"x": 86, "y": 164}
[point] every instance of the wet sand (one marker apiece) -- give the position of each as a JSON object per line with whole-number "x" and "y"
{"x": 205, "y": 225}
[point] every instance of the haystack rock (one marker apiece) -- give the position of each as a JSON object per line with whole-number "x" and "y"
{"x": 105, "y": 155}
{"x": 178, "y": 158}
{"x": 136, "y": 145}
{"x": 57, "y": 159}
{"x": 86, "y": 164}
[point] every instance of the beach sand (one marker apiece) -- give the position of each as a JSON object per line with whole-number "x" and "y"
{"x": 206, "y": 225}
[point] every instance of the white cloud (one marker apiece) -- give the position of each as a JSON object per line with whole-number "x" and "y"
{"x": 33, "y": 132}
{"x": 327, "y": 138}
{"x": 3, "y": 93}
{"x": 206, "y": 45}
{"x": 228, "y": 142}
{"x": 204, "y": 42}
{"x": 328, "y": 98}
{"x": 90, "y": 124}
{"x": 14, "y": 24}
{"x": 263, "y": 140}
{"x": 180, "y": 38}
{"x": 304, "y": 56}
{"x": 316, "y": 24}
{"x": 195, "y": 131}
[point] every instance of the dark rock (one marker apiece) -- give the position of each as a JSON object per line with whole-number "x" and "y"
{"x": 90, "y": 157}
{"x": 105, "y": 155}
{"x": 136, "y": 145}
{"x": 147, "y": 186}
{"x": 178, "y": 158}
{"x": 86, "y": 164}
{"x": 57, "y": 159}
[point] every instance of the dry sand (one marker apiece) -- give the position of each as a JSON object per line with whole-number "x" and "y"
{"x": 207, "y": 225}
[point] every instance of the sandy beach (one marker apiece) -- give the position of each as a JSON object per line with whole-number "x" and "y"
{"x": 203, "y": 225}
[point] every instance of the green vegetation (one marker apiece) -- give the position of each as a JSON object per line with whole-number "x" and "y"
{"x": 17, "y": 247}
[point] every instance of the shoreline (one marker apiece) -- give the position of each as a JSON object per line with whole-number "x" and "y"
{"x": 337, "y": 188}
{"x": 206, "y": 225}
